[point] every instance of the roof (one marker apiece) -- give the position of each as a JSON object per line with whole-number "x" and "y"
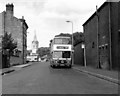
{"x": 23, "y": 20}
{"x": 104, "y": 4}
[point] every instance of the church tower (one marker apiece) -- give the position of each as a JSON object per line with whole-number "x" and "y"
{"x": 35, "y": 44}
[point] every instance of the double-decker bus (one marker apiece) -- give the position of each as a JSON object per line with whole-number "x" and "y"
{"x": 61, "y": 51}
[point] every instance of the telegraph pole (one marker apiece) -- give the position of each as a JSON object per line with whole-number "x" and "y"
{"x": 97, "y": 37}
{"x": 110, "y": 37}
{"x": 23, "y": 37}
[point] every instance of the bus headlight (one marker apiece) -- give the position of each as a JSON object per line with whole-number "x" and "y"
{"x": 68, "y": 61}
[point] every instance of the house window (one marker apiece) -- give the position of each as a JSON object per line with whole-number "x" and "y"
{"x": 16, "y": 53}
{"x": 93, "y": 45}
{"x": 106, "y": 47}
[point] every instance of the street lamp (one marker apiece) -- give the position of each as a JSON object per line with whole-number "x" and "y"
{"x": 72, "y": 42}
{"x": 83, "y": 47}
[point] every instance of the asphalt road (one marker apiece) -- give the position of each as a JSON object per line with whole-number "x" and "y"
{"x": 40, "y": 78}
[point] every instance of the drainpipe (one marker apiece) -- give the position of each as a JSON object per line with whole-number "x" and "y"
{"x": 23, "y": 40}
{"x": 110, "y": 36}
{"x": 97, "y": 37}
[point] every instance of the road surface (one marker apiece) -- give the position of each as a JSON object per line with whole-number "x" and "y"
{"x": 40, "y": 78}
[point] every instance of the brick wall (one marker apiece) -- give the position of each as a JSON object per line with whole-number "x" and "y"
{"x": 78, "y": 55}
{"x": 1, "y": 23}
{"x": 91, "y": 42}
{"x": 115, "y": 35}
{"x": 17, "y": 27}
{"x": 15, "y": 60}
{"x": 17, "y": 32}
{"x": 108, "y": 22}
{"x": 1, "y": 33}
{"x": 119, "y": 35}
{"x": 0, "y": 59}
{"x": 13, "y": 25}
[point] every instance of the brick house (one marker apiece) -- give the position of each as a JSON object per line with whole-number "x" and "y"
{"x": 102, "y": 37}
{"x": 18, "y": 28}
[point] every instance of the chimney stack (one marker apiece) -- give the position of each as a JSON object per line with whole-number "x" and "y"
{"x": 10, "y": 8}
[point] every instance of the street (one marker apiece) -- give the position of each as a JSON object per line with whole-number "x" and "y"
{"x": 40, "y": 78}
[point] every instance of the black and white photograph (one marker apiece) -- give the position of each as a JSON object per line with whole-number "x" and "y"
{"x": 59, "y": 47}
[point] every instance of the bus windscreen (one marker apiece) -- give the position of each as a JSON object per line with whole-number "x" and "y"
{"x": 61, "y": 54}
{"x": 62, "y": 41}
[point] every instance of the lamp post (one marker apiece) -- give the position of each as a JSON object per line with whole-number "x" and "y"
{"x": 22, "y": 40}
{"x": 72, "y": 42}
{"x": 83, "y": 47}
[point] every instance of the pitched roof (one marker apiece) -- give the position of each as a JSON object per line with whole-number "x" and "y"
{"x": 95, "y": 12}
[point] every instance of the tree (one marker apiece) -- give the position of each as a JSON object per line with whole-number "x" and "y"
{"x": 8, "y": 45}
{"x": 8, "y": 42}
{"x": 43, "y": 51}
{"x": 78, "y": 38}
{"x": 50, "y": 43}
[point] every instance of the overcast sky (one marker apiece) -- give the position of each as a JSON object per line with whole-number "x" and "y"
{"x": 48, "y": 17}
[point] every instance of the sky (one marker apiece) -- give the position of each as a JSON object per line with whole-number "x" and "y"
{"x": 47, "y": 18}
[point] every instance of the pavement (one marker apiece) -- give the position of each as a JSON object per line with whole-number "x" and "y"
{"x": 13, "y": 68}
{"x": 109, "y": 75}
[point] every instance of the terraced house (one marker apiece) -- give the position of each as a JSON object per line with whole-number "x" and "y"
{"x": 18, "y": 28}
